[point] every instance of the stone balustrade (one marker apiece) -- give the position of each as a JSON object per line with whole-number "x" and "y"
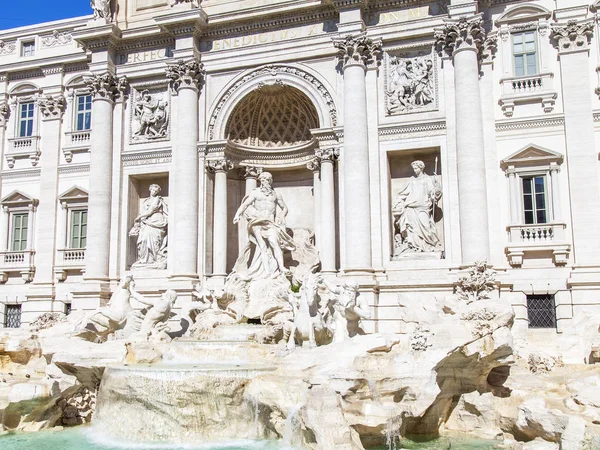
{"x": 21, "y": 148}
{"x": 69, "y": 260}
{"x": 547, "y": 237}
{"x": 527, "y": 89}
{"x": 76, "y": 141}
{"x": 17, "y": 261}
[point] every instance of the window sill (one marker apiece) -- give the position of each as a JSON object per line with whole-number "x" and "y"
{"x": 548, "y": 237}
{"x": 20, "y": 262}
{"x": 22, "y": 148}
{"x": 528, "y": 89}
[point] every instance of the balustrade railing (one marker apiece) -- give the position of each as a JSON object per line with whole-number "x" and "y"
{"x": 17, "y": 259}
{"x": 77, "y": 138}
{"x": 536, "y": 234}
{"x": 72, "y": 256}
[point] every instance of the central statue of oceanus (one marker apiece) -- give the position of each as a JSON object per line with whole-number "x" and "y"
{"x": 267, "y": 235}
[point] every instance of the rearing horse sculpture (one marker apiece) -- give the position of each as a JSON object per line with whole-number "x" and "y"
{"x": 308, "y": 320}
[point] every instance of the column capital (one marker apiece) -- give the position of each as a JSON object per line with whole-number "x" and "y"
{"x": 327, "y": 155}
{"x": 219, "y": 165}
{"x": 573, "y": 36}
{"x": 106, "y": 86}
{"x": 185, "y": 74}
{"x": 314, "y": 165}
{"x": 4, "y": 112}
{"x": 466, "y": 33}
{"x": 252, "y": 171}
{"x": 358, "y": 49}
{"x": 52, "y": 107}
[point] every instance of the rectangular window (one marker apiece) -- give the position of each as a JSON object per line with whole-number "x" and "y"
{"x": 12, "y": 319}
{"x": 534, "y": 200}
{"x": 19, "y": 232}
{"x": 524, "y": 53}
{"x": 84, "y": 113}
{"x": 28, "y": 48}
{"x": 26, "y": 111}
{"x": 541, "y": 311}
{"x": 78, "y": 228}
{"x": 67, "y": 309}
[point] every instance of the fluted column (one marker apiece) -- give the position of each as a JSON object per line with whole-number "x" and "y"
{"x": 315, "y": 167}
{"x": 104, "y": 89}
{"x": 251, "y": 174}
{"x": 185, "y": 79}
{"x": 220, "y": 168}
{"x": 51, "y": 111}
{"x": 327, "y": 158}
{"x": 355, "y": 53}
{"x": 573, "y": 43}
{"x": 463, "y": 39}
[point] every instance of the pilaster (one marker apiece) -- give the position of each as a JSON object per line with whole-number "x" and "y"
{"x": 327, "y": 158}
{"x": 220, "y": 168}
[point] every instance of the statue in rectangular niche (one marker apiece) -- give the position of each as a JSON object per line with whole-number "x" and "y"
{"x": 413, "y": 210}
{"x": 150, "y": 228}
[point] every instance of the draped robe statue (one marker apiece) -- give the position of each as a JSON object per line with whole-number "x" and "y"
{"x": 150, "y": 227}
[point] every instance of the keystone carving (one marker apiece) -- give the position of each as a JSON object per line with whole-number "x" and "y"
{"x": 219, "y": 165}
{"x": 358, "y": 49}
{"x": 459, "y": 34}
{"x": 52, "y": 107}
{"x": 185, "y": 74}
{"x": 106, "y": 85}
{"x": 573, "y": 36}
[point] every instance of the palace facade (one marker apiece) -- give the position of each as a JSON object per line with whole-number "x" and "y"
{"x": 409, "y": 139}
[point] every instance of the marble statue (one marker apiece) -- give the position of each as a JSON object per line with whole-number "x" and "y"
{"x": 150, "y": 227}
{"x": 410, "y": 83}
{"x": 101, "y": 9}
{"x": 151, "y": 115}
{"x": 344, "y": 313}
{"x": 154, "y": 324}
{"x": 308, "y": 325}
{"x": 413, "y": 209}
{"x": 115, "y": 315}
{"x": 267, "y": 235}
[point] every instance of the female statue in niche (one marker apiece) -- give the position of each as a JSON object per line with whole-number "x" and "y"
{"x": 413, "y": 213}
{"x": 150, "y": 227}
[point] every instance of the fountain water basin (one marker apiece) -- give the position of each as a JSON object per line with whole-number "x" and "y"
{"x": 179, "y": 403}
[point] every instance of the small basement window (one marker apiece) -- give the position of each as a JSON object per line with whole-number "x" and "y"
{"x": 12, "y": 319}
{"x": 541, "y": 311}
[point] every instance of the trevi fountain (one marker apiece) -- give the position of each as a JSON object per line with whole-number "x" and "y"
{"x": 277, "y": 358}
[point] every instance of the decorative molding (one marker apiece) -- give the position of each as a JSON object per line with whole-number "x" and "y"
{"x": 273, "y": 70}
{"x": 573, "y": 36}
{"x": 532, "y": 123}
{"x": 106, "y": 86}
{"x": 433, "y": 128}
{"x": 56, "y": 39}
{"x": 194, "y": 3}
{"x": 185, "y": 74}
{"x": 314, "y": 165}
{"x": 148, "y": 157}
{"x": 74, "y": 168}
{"x": 22, "y": 173}
{"x": 327, "y": 154}
{"x": 358, "y": 50}
{"x": 52, "y": 108}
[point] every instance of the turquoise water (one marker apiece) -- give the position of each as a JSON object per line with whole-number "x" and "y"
{"x": 445, "y": 443}
{"x": 86, "y": 438}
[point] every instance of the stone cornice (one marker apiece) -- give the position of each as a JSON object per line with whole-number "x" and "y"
{"x": 573, "y": 36}
{"x": 74, "y": 168}
{"x": 156, "y": 156}
{"x": 23, "y": 173}
{"x": 99, "y": 37}
{"x": 183, "y": 23}
{"x": 142, "y": 43}
{"x": 397, "y": 131}
{"x": 558, "y": 121}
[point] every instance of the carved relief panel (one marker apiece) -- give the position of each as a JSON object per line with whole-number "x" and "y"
{"x": 150, "y": 115}
{"x": 410, "y": 82}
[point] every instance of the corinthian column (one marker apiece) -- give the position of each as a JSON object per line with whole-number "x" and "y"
{"x": 183, "y": 181}
{"x": 327, "y": 158}
{"x": 220, "y": 168}
{"x": 355, "y": 53}
{"x": 104, "y": 89}
{"x": 573, "y": 43}
{"x": 463, "y": 39}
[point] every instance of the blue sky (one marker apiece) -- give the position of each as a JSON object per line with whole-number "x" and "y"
{"x": 18, "y": 13}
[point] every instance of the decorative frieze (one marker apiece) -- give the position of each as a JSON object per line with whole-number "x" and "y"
{"x": 573, "y": 36}
{"x": 7, "y": 48}
{"x": 185, "y": 74}
{"x": 411, "y": 83}
{"x": 106, "y": 86}
{"x": 52, "y": 108}
{"x": 150, "y": 116}
{"x": 358, "y": 49}
{"x": 146, "y": 158}
{"x": 56, "y": 39}
{"x": 219, "y": 165}
{"x": 460, "y": 34}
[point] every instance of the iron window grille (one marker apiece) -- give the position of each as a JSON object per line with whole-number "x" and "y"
{"x": 12, "y": 318}
{"x": 541, "y": 311}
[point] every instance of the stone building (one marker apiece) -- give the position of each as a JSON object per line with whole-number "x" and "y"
{"x": 496, "y": 104}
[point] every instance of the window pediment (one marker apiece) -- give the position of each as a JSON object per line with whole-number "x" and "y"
{"x": 74, "y": 194}
{"x": 532, "y": 156}
{"x": 523, "y": 13}
{"x": 18, "y": 199}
